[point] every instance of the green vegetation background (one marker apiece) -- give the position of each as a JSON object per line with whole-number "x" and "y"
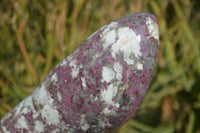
{"x": 36, "y": 35}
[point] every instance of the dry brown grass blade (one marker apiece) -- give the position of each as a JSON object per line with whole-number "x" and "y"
{"x": 24, "y": 51}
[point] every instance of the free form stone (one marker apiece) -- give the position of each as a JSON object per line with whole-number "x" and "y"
{"x": 98, "y": 87}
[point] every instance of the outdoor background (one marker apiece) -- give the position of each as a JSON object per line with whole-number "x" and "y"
{"x": 36, "y": 35}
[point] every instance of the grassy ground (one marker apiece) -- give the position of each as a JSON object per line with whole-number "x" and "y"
{"x": 36, "y": 35}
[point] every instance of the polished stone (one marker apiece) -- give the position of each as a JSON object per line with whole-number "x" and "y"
{"x": 98, "y": 87}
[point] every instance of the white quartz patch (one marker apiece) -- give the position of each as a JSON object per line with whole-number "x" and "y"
{"x": 25, "y": 106}
{"x": 83, "y": 123}
{"x": 54, "y": 77}
{"x": 24, "y": 110}
{"x": 109, "y": 27}
{"x": 21, "y": 123}
{"x": 56, "y": 131}
{"x": 50, "y": 114}
{"x": 4, "y": 129}
{"x": 75, "y": 72}
{"x": 108, "y": 74}
{"x": 18, "y": 109}
{"x": 69, "y": 58}
{"x": 29, "y": 103}
{"x": 153, "y": 28}
{"x": 106, "y": 111}
{"x": 108, "y": 94}
{"x": 85, "y": 127}
{"x": 63, "y": 62}
{"x": 109, "y": 34}
{"x": 83, "y": 82}
{"x": 39, "y": 126}
{"x": 35, "y": 115}
{"x": 109, "y": 38}
{"x": 118, "y": 70}
{"x": 3, "y": 119}
{"x": 139, "y": 66}
{"x": 128, "y": 43}
{"x": 59, "y": 96}
{"x": 42, "y": 96}
{"x": 75, "y": 68}
{"x": 104, "y": 123}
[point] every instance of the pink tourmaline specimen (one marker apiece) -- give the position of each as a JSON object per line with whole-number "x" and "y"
{"x": 98, "y": 87}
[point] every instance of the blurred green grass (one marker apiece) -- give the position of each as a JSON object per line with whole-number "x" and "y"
{"x": 36, "y": 35}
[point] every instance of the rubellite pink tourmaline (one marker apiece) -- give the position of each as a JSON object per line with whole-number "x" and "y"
{"x": 98, "y": 87}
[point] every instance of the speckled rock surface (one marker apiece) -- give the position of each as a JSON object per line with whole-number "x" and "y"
{"x": 98, "y": 87}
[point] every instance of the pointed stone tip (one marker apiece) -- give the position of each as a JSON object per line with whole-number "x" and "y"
{"x": 144, "y": 24}
{"x": 151, "y": 22}
{"x": 152, "y": 26}
{"x": 145, "y": 15}
{"x": 150, "y": 15}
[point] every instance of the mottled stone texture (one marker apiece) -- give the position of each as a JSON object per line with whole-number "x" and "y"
{"x": 98, "y": 87}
